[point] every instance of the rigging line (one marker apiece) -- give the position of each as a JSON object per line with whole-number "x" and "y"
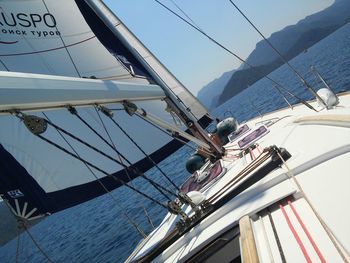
{"x": 36, "y": 243}
{"x": 167, "y": 133}
{"x": 110, "y": 138}
{"x": 298, "y": 99}
{"x": 122, "y": 77}
{"x": 337, "y": 244}
{"x": 303, "y": 80}
{"x": 147, "y": 156}
{"x": 185, "y": 14}
{"x": 129, "y": 219}
{"x": 73, "y": 111}
{"x": 46, "y": 50}
{"x": 158, "y": 187}
{"x": 64, "y": 44}
{"x": 154, "y": 184}
{"x": 114, "y": 147}
{"x": 100, "y": 170}
{"x": 228, "y": 50}
{"x": 285, "y": 99}
{"x": 114, "y": 67}
{"x": 18, "y": 244}
{"x": 2, "y": 63}
{"x": 120, "y": 159}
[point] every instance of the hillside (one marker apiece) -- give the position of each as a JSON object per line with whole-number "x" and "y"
{"x": 209, "y": 94}
{"x": 290, "y": 41}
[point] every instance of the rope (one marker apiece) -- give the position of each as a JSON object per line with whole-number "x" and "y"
{"x": 147, "y": 156}
{"x": 324, "y": 225}
{"x": 169, "y": 134}
{"x": 303, "y": 80}
{"x": 36, "y": 243}
{"x": 18, "y": 245}
{"x": 111, "y": 145}
{"x": 110, "y": 139}
{"x": 241, "y": 175}
{"x": 45, "y": 50}
{"x": 129, "y": 219}
{"x": 154, "y": 184}
{"x": 100, "y": 170}
{"x": 277, "y": 239}
{"x": 184, "y": 13}
{"x": 228, "y": 50}
{"x": 148, "y": 218}
{"x": 18, "y": 115}
{"x": 120, "y": 159}
{"x": 2, "y": 63}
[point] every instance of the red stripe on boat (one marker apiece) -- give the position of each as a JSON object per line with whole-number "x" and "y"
{"x": 296, "y": 236}
{"x": 307, "y": 233}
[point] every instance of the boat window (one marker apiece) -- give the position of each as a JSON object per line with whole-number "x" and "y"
{"x": 224, "y": 249}
{"x": 201, "y": 178}
{"x": 253, "y": 136}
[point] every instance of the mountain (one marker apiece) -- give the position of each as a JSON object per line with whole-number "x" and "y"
{"x": 209, "y": 94}
{"x": 290, "y": 41}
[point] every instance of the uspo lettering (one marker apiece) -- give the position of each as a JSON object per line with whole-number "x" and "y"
{"x": 27, "y": 20}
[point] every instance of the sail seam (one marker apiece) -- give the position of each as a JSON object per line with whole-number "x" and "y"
{"x": 64, "y": 44}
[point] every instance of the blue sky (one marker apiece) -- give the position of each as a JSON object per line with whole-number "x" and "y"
{"x": 191, "y": 57}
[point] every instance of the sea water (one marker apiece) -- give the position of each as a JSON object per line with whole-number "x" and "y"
{"x": 97, "y": 231}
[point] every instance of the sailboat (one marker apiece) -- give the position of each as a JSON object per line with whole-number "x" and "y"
{"x": 272, "y": 189}
{"x": 64, "y": 71}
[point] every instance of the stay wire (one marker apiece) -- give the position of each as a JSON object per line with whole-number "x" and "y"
{"x": 18, "y": 244}
{"x": 37, "y": 244}
{"x": 228, "y": 50}
{"x": 110, "y": 138}
{"x": 3, "y": 63}
{"x": 158, "y": 187}
{"x": 129, "y": 219}
{"x": 120, "y": 159}
{"x": 303, "y": 80}
{"x": 73, "y": 111}
{"x": 100, "y": 170}
{"x": 185, "y": 14}
{"x": 147, "y": 156}
{"x": 167, "y": 133}
{"x": 95, "y": 167}
{"x": 172, "y": 136}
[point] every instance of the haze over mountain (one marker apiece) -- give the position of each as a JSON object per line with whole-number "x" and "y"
{"x": 290, "y": 41}
{"x": 210, "y": 93}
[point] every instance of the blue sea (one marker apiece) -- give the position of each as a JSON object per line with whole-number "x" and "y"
{"x": 97, "y": 231}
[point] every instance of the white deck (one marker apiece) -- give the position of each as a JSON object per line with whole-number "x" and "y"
{"x": 320, "y": 149}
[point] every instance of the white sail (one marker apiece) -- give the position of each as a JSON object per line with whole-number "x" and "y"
{"x": 43, "y": 37}
{"x": 72, "y": 40}
{"x": 170, "y": 81}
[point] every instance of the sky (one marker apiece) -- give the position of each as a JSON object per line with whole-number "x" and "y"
{"x": 192, "y": 57}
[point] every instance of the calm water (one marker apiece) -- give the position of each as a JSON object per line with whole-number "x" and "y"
{"x": 97, "y": 231}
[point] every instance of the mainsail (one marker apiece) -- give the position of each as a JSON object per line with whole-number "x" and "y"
{"x": 77, "y": 39}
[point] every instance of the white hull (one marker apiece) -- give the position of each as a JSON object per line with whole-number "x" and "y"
{"x": 312, "y": 226}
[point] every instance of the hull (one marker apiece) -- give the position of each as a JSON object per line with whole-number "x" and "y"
{"x": 294, "y": 213}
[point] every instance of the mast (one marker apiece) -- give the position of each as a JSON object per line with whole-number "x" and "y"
{"x": 154, "y": 68}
